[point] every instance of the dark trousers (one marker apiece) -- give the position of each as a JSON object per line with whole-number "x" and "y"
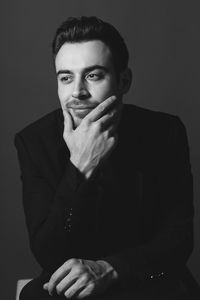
{"x": 163, "y": 289}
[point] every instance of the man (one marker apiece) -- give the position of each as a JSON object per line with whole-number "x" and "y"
{"x": 107, "y": 187}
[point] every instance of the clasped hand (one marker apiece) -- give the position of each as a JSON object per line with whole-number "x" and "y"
{"x": 80, "y": 278}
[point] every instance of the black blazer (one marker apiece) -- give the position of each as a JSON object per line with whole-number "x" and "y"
{"x": 136, "y": 211}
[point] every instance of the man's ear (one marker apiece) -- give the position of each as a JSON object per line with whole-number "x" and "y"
{"x": 125, "y": 81}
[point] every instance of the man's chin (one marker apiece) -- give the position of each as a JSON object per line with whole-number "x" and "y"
{"x": 78, "y": 115}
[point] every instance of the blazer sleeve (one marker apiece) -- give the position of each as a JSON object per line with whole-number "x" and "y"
{"x": 172, "y": 245}
{"x": 53, "y": 216}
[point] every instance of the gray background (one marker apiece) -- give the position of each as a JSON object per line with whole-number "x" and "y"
{"x": 163, "y": 39}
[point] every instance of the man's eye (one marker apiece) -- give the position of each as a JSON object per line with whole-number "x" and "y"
{"x": 94, "y": 76}
{"x": 66, "y": 79}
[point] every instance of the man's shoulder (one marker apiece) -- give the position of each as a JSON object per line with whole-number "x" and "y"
{"x": 46, "y": 130}
{"x": 146, "y": 115}
{"x": 150, "y": 120}
{"x": 44, "y": 126}
{"x": 152, "y": 129}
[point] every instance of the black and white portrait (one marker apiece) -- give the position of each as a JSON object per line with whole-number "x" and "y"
{"x": 100, "y": 150}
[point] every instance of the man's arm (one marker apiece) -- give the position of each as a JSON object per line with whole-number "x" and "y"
{"x": 56, "y": 218}
{"x": 52, "y": 213}
{"x": 172, "y": 245}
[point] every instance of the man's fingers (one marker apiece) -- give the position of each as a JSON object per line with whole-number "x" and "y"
{"x": 67, "y": 120}
{"x": 45, "y": 286}
{"x": 87, "y": 291}
{"x": 57, "y": 277}
{"x": 110, "y": 118}
{"x": 65, "y": 284}
{"x": 75, "y": 289}
{"x": 112, "y": 129}
{"x": 100, "y": 110}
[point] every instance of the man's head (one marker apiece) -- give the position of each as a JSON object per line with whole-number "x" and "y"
{"x": 91, "y": 61}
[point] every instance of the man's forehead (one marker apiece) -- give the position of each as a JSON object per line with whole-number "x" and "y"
{"x": 77, "y": 56}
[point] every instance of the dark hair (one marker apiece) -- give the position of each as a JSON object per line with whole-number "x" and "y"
{"x": 83, "y": 29}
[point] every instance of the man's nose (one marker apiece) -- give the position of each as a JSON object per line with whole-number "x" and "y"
{"x": 80, "y": 90}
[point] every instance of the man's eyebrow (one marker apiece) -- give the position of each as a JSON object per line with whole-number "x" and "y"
{"x": 85, "y": 70}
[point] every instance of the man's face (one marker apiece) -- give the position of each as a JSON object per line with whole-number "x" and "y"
{"x": 86, "y": 77}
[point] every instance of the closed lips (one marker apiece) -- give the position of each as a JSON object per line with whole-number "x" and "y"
{"x": 82, "y": 107}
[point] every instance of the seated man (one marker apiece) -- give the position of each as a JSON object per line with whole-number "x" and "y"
{"x": 107, "y": 187}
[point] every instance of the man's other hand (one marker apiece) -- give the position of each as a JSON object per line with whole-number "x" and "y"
{"x": 80, "y": 278}
{"x": 94, "y": 139}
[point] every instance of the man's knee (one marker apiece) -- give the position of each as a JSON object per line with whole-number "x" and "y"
{"x": 25, "y": 293}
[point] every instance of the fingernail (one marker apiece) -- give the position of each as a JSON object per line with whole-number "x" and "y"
{"x": 113, "y": 98}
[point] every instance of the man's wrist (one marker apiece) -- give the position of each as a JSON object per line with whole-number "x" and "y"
{"x": 81, "y": 168}
{"x": 108, "y": 269}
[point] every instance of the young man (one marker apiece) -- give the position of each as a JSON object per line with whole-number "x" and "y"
{"x": 107, "y": 187}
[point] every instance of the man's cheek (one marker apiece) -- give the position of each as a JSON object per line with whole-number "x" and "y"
{"x": 102, "y": 92}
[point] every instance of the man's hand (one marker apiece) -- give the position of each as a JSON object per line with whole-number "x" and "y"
{"x": 92, "y": 141}
{"x": 81, "y": 278}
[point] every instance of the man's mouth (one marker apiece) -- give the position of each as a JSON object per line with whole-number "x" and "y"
{"x": 81, "y": 111}
{"x": 81, "y": 107}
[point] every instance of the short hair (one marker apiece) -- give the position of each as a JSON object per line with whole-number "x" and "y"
{"x": 84, "y": 29}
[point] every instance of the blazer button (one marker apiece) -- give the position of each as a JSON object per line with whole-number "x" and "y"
{"x": 67, "y": 228}
{"x": 157, "y": 275}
